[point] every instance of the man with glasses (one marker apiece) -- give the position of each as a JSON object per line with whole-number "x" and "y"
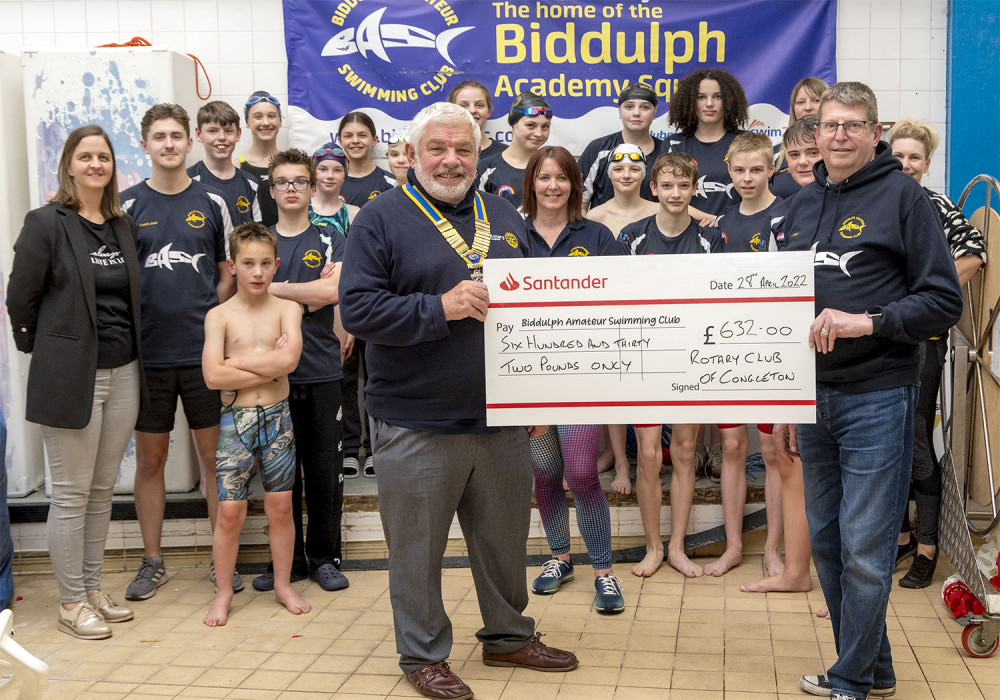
{"x": 884, "y": 282}
{"x": 308, "y": 273}
{"x": 181, "y": 243}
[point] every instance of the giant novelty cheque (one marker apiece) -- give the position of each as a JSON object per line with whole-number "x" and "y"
{"x": 650, "y": 339}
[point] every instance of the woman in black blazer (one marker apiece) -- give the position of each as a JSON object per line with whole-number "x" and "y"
{"x": 73, "y": 301}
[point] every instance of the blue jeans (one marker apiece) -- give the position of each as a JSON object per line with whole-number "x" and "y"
{"x": 856, "y": 464}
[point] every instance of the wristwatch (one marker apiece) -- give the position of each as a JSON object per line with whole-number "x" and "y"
{"x": 876, "y": 317}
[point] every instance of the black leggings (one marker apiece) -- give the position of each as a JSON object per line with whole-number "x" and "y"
{"x": 925, "y": 483}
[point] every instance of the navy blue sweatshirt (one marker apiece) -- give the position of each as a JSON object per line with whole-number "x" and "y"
{"x": 424, "y": 372}
{"x": 878, "y": 246}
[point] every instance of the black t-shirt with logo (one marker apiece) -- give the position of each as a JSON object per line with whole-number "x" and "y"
{"x": 360, "y": 190}
{"x": 114, "y": 310}
{"x": 579, "y": 239}
{"x": 303, "y": 258}
{"x": 715, "y": 188}
{"x": 751, "y": 233}
{"x": 181, "y": 241}
{"x": 268, "y": 207}
{"x": 501, "y": 178}
{"x": 239, "y": 191}
{"x": 644, "y": 238}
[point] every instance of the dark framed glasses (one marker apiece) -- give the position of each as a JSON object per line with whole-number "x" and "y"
{"x": 534, "y": 112}
{"x": 297, "y": 185}
{"x": 631, "y": 155}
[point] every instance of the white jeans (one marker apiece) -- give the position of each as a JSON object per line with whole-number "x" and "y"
{"x": 84, "y": 466}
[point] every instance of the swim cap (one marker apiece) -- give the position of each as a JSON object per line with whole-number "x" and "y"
{"x": 328, "y": 151}
{"x": 628, "y": 153}
{"x": 528, "y": 104}
{"x": 638, "y": 91}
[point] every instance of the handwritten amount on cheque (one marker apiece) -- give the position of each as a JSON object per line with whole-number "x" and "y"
{"x": 649, "y": 346}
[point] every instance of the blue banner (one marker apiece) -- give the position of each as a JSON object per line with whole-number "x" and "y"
{"x": 397, "y": 56}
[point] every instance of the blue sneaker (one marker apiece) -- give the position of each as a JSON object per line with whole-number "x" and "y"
{"x": 555, "y": 573}
{"x": 609, "y": 598}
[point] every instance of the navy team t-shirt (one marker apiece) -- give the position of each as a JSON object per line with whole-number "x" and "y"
{"x": 239, "y": 191}
{"x": 303, "y": 258}
{"x": 360, "y": 190}
{"x": 644, "y": 238}
{"x": 715, "y": 188}
{"x": 751, "y": 233}
{"x": 181, "y": 241}
{"x": 501, "y": 178}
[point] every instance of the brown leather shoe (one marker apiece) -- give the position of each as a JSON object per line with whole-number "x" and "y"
{"x": 439, "y": 681}
{"x": 534, "y": 655}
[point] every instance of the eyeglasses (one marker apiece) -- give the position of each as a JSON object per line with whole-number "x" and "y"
{"x": 254, "y": 99}
{"x": 297, "y": 185}
{"x": 631, "y": 155}
{"x": 853, "y": 127}
{"x": 324, "y": 152}
{"x": 534, "y": 112}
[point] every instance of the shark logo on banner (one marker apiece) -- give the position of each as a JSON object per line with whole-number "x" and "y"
{"x": 376, "y": 37}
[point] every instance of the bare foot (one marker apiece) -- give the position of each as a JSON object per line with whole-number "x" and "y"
{"x": 623, "y": 481}
{"x": 729, "y": 559}
{"x": 772, "y": 560}
{"x": 649, "y": 564}
{"x": 606, "y": 460}
{"x": 293, "y": 602}
{"x": 218, "y": 614}
{"x": 680, "y": 561}
{"x": 779, "y": 583}
{"x": 824, "y": 613}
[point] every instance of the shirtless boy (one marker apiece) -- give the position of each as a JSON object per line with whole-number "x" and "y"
{"x": 252, "y": 342}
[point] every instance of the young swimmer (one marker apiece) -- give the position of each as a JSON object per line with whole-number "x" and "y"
{"x": 746, "y": 227}
{"x": 327, "y": 209}
{"x": 801, "y": 150}
{"x": 671, "y": 231}
{"x": 252, "y": 342}
{"x": 219, "y": 132}
{"x": 262, "y": 113}
{"x": 637, "y": 110}
{"x": 395, "y": 154}
{"x": 804, "y": 102}
{"x": 530, "y": 118}
{"x": 357, "y": 137}
{"x": 626, "y": 166}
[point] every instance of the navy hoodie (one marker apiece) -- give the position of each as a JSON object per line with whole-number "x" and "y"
{"x": 878, "y": 246}
{"x": 424, "y": 372}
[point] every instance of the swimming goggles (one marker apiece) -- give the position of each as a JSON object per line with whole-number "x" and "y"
{"x": 534, "y": 112}
{"x": 396, "y": 139}
{"x": 336, "y": 152}
{"x": 255, "y": 99}
{"x": 631, "y": 155}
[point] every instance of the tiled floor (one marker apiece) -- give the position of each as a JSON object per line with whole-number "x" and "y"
{"x": 677, "y": 639}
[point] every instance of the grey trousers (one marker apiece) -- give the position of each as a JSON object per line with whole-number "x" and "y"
{"x": 84, "y": 467}
{"x": 423, "y": 480}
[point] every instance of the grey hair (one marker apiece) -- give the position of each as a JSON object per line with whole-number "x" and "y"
{"x": 851, "y": 94}
{"x": 441, "y": 113}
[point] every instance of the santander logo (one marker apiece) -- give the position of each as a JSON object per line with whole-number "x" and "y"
{"x": 509, "y": 284}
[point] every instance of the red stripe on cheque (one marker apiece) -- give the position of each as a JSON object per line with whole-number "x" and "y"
{"x": 649, "y": 302}
{"x": 619, "y": 404}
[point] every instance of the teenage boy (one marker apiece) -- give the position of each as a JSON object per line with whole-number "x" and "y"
{"x": 637, "y": 110}
{"x": 307, "y": 276}
{"x": 801, "y": 153}
{"x": 252, "y": 342}
{"x": 182, "y": 227}
{"x": 746, "y": 227}
{"x": 671, "y": 231}
{"x": 219, "y": 131}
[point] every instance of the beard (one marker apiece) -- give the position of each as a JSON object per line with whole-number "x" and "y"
{"x": 446, "y": 193}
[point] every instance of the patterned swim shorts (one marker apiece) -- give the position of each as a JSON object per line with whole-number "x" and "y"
{"x": 255, "y": 434}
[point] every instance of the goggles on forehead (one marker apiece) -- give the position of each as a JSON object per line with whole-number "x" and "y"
{"x": 324, "y": 152}
{"x": 631, "y": 155}
{"x": 395, "y": 139}
{"x": 255, "y": 99}
{"x": 534, "y": 112}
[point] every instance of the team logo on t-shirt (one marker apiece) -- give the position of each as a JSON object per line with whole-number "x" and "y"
{"x": 166, "y": 258}
{"x": 374, "y": 194}
{"x": 312, "y": 258}
{"x": 852, "y": 227}
{"x": 757, "y": 243}
{"x": 195, "y": 219}
{"x": 242, "y": 205}
{"x": 511, "y": 239}
{"x": 579, "y": 252}
{"x": 506, "y": 191}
